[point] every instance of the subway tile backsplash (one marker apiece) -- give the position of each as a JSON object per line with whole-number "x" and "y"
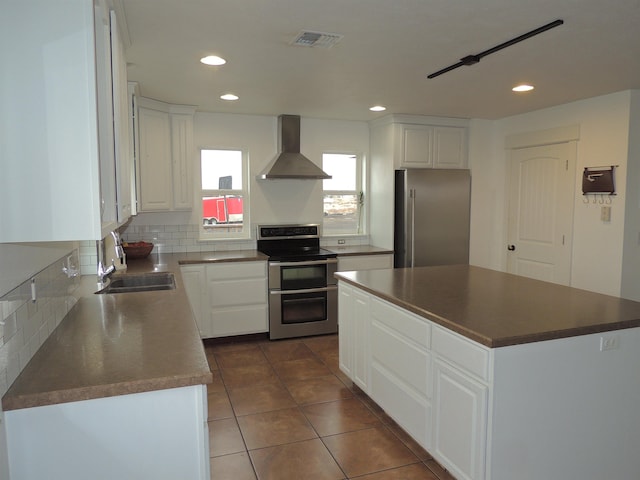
{"x": 25, "y": 324}
{"x": 179, "y": 239}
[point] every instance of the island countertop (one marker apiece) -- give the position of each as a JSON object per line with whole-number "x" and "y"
{"x": 494, "y": 308}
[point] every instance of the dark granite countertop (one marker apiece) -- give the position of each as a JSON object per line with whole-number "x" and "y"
{"x": 497, "y": 309}
{"x": 117, "y": 344}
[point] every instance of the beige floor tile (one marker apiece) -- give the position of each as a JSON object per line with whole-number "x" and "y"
{"x": 340, "y": 416}
{"x": 287, "y": 350}
{"x": 417, "y": 471}
{"x": 236, "y": 466}
{"x": 275, "y": 428}
{"x": 368, "y": 451}
{"x": 247, "y": 375}
{"x": 225, "y": 438}
{"x": 300, "y": 369}
{"x": 239, "y": 358}
{"x": 218, "y": 406}
{"x": 317, "y": 389}
{"x": 260, "y": 398}
{"x": 296, "y": 461}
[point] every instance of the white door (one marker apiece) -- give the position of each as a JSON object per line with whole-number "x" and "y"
{"x": 540, "y": 223}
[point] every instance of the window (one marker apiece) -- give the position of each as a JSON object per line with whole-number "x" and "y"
{"x": 343, "y": 196}
{"x": 224, "y": 194}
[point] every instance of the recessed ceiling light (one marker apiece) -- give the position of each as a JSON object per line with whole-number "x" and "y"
{"x": 213, "y": 60}
{"x": 522, "y": 88}
{"x": 378, "y": 108}
{"x": 229, "y": 96}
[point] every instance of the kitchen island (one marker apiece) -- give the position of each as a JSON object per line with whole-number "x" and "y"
{"x": 117, "y": 391}
{"x": 498, "y": 376}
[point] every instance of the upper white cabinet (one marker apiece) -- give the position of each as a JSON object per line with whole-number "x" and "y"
{"x": 56, "y": 132}
{"x": 430, "y": 146}
{"x": 414, "y": 141}
{"x": 166, "y": 156}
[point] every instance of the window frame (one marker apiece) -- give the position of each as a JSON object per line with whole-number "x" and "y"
{"x": 213, "y": 235}
{"x": 360, "y": 193}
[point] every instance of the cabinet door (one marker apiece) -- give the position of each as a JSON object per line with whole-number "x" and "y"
{"x": 449, "y": 147}
{"x": 346, "y": 337}
{"x": 361, "y": 357}
{"x": 460, "y": 422}
{"x": 182, "y": 160}
{"x": 155, "y": 161}
{"x": 121, "y": 127}
{"x": 417, "y": 146}
{"x": 194, "y": 280}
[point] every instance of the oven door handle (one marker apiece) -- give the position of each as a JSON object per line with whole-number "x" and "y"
{"x": 328, "y": 288}
{"x": 304, "y": 262}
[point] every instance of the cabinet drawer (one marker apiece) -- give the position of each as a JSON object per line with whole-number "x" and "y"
{"x": 462, "y": 352}
{"x": 415, "y": 328}
{"x": 409, "y": 364}
{"x": 239, "y": 320}
{"x": 233, "y": 270}
{"x": 364, "y": 262}
{"x": 238, "y": 292}
{"x": 410, "y": 411}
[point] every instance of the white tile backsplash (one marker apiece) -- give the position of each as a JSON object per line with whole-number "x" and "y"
{"x": 25, "y": 325}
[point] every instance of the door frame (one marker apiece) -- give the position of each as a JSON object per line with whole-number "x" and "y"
{"x": 538, "y": 138}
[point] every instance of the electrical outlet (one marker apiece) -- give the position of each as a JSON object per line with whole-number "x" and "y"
{"x": 341, "y": 241}
{"x": 609, "y": 342}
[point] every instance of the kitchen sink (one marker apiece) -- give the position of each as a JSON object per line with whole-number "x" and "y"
{"x": 144, "y": 282}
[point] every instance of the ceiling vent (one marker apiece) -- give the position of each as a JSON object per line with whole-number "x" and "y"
{"x": 316, "y": 39}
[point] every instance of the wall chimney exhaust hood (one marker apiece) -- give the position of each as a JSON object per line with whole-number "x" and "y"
{"x": 290, "y": 163}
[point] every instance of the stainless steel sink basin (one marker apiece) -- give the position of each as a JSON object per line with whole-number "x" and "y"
{"x": 144, "y": 282}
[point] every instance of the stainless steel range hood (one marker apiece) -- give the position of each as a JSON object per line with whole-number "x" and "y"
{"x": 290, "y": 163}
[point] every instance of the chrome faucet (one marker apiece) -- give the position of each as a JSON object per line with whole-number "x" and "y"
{"x": 104, "y": 272}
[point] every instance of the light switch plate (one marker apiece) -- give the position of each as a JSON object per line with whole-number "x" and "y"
{"x": 605, "y": 214}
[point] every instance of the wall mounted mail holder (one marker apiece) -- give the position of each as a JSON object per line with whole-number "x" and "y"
{"x": 598, "y": 180}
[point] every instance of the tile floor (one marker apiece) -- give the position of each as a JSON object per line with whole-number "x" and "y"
{"x": 282, "y": 410}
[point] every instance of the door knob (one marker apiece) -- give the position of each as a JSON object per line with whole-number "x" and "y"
{"x": 511, "y": 248}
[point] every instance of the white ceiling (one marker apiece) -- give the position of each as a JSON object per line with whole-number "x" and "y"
{"x": 389, "y": 48}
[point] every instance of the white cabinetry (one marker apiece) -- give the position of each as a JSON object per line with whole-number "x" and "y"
{"x": 56, "y": 136}
{"x": 156, "y": 434}
{"x": 401, "y": 379}
{"x": 354, "y": 343}
{"x": 432, "y": 382}
{"x": 166, "y": 156}
{"x": 228, "y": 298}
{"x": 461, "y": 389}
{"x": 364, "y": 262}
{"x": 430, "y": 146}
{"x": 195, "y": 283}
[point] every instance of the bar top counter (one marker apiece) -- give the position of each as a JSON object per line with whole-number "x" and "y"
{"x": 497, "y": 309}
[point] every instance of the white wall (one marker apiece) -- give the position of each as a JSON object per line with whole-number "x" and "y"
{"x": 272, "y": 201}
{"x": 597, "y": 255}
{"x": 631, "y": 252}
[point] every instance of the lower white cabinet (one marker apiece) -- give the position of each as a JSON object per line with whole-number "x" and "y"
{"x": 160, "y": 434}
{"x": 195, "y": 283}
{"x": 432, "y": 382}
{"x": 460, "y": 421}
{"x": 354, "y": 343}
{"x": 228, "y": 298}
{"x": 364, "y": 262}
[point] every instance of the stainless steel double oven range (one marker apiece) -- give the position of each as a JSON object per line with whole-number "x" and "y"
{"x": 303, "y": 293}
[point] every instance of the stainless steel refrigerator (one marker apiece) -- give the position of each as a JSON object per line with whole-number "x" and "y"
{"x": 431, "y": 217}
